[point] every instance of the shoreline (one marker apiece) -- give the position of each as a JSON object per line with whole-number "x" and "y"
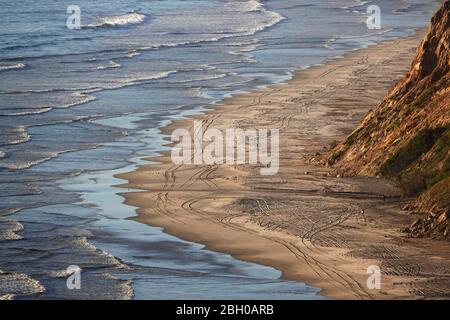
{"x": 303, "y": 221}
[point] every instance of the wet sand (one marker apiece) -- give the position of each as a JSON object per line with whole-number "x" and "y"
{"x": 304, "y": 221}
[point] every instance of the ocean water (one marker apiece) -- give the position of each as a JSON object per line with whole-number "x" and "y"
{"x": 78, "y": 106}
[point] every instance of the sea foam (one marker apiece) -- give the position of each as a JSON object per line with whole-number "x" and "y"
{"x": 12, "y": 67}
{"x": 117, "y": 21}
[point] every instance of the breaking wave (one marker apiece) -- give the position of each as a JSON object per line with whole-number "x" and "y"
{"x": 118, "y": 21}
{"x": 12, "y": 67}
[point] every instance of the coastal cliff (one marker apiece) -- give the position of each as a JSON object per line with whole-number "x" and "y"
{"x": 407, "y": 136}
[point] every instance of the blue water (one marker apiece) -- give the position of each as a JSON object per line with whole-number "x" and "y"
{"x": 78, "y": 106}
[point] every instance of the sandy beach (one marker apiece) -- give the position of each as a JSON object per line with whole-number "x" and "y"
{"x": 315, "y": 227}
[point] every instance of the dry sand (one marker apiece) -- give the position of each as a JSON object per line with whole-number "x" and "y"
{"x": 303, "y": 221}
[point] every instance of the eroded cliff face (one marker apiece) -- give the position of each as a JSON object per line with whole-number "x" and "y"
{"x": 407, "y": 136}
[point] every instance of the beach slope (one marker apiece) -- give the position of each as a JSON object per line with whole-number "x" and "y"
{"x": 315, "y": 227}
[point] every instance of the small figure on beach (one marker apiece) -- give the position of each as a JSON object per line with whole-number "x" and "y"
{"x": 363, "y": 215}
